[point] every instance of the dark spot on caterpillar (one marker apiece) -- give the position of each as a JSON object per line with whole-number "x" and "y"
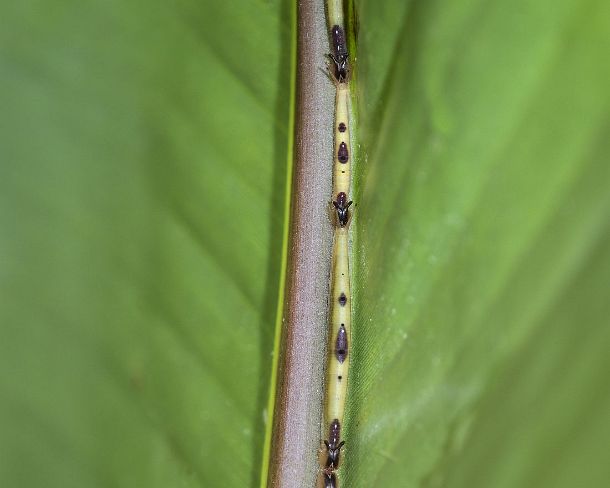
{"x": 341, "y": 344}
{"x": 333, "y": 446}
{"x": 342, "y": 127}
{"x": 342, "y": 153}
{"x": 342, "y": 299}
{"x": 340, "y": 377}
{"x": 342, "y": 206}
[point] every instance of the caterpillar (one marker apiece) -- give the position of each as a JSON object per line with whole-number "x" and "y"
{"x": 338, "y": 357}
{"x": 342, "y": 164}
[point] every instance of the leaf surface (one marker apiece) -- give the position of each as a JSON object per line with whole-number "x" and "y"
{"x": 143, "y": 165}
{"x": 143, "y": 150}
{"x": 482, "y": 246}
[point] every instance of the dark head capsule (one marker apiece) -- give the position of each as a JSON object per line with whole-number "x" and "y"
{"x": 341, "y": 344}
{"x": 342, "y": 153}
{"x": 333, "y": 445}
{"x": 342, "y": 206}
{"x": 339, "y": 55}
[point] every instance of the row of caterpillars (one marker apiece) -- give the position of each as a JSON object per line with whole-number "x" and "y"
{"x": 340, "y": 303}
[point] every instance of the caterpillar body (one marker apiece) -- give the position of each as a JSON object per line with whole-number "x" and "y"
{"x": 342, "y": 164}
{"x": 338, "y": 354}
{"x": 338, "y": 357}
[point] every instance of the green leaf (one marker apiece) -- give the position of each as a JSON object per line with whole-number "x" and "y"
{"x": 143, "y": 152}
{"x": 482, "y": 258}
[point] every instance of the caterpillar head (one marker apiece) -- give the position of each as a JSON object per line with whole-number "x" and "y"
{"x": 342, "y": 206}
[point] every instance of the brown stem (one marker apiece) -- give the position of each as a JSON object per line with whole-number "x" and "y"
{"x": 296, "y": 432}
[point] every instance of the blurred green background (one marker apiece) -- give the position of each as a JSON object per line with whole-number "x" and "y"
{"x": 142, "y": 174}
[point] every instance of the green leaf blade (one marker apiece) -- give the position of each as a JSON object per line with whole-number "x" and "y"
{"x": 142, "y": 147}
{"x": 482, "y": 200}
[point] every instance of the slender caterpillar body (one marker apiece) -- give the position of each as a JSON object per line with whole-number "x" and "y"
{"x": 342, "y": 164}
{"x": 340, "y": 321}
{"x": 338, "y": 354}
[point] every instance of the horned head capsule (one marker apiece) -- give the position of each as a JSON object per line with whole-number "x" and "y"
{"x": 342, "y": 206}
{"x": 333, "y": 446}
